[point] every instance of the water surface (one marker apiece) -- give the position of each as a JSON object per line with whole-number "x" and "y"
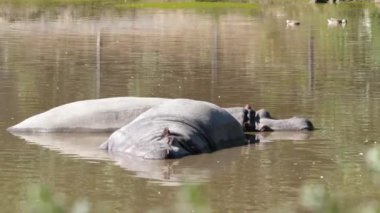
{"x": 228, "y": 57}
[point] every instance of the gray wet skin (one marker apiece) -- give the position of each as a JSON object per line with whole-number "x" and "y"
{"x": 177, "y": 128}
{"x": 264, "y": 122}
{"x": 110, "y": 114}
{"x": 261, "y": 121}
{"x": 97, "y": 115}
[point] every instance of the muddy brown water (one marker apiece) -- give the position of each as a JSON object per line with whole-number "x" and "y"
{"x": 328, "y": 74}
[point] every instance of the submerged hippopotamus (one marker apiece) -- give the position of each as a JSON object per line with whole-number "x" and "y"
{"x": 110, "y": 114}
{"x": 166, "y": 132}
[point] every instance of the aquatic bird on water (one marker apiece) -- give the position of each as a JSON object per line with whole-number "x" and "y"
{"x": 334, "y": 21}
{"x": 292, "y": 23}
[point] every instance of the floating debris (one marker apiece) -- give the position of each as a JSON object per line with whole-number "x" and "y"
{"x": 292, "y": 23}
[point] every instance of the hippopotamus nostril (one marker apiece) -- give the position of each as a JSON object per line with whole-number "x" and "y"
{"x": 309, "y": 125}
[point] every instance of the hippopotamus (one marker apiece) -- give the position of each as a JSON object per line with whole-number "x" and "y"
{"x": 109, "y": 114}
{"x": 165, "y": 132}
{"x": 98, "y": 115}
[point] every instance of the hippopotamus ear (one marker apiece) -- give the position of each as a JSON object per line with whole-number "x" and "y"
{"x": 167, "y": 149}
{"x": 249, "y": 119}
{"x": 166, "y": 132}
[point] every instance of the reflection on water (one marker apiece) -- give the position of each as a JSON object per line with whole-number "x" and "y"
{"x": 229, "y": 57}
{"x": 168, "y": 172}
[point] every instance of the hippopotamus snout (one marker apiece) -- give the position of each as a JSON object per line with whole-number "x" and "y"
{"x": 265, "y": 122}
{"x": 261, "y": 120}
{"x": 294, "y": 123}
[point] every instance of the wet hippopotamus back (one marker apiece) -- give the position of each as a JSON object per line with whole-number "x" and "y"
{"x": 97, "y": 115}
{"x": 177, "y": 128}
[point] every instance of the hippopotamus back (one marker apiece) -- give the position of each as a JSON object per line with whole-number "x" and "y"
{"x": 177, "y": 128}
{"x": 97, "y": 115}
